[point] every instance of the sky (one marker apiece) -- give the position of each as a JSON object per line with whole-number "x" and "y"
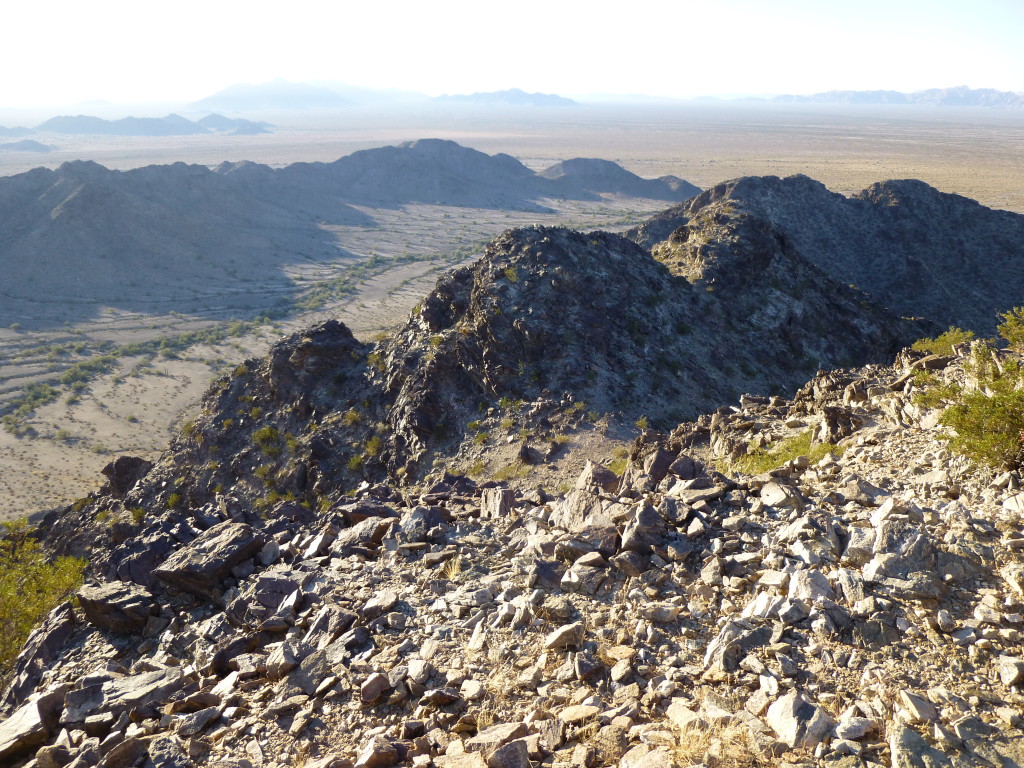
{"x": 69, "y": 51}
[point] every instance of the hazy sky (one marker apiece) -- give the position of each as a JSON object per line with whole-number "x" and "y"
{"x": 68, "y": 51}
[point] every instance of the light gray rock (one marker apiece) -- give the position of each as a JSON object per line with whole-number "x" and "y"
{"x": 565, "y": 636}
{"x": 798, "y": 722}
{"x": 22, "y": 732}
{"x": 778, "y": 495}
{"x": 1010, "y": 669}
{"x": 374, "y": 687}
{"x": 907, "y": 749}
{"x": 732, "y": 643}
{"x": 514, "y": 754}
{"x": 810, "y": 585}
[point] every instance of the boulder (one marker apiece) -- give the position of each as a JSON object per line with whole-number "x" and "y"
{"x": 798, "y": 722}
{"x": 124, "y": 472}
{"x": 141, "y": 694}
{"x": 29, "y": 726}
{"x": 118, "y": 606}
{"x": 41, "y": 648}
{"x": 202, "y": 565}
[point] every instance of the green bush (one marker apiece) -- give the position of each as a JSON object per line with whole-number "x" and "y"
{"x": 1012, "y": 328}
{"x": 765, "y": 459}
{"x": 986, "y": 418}
{"x": 943, "y": 343}
{"x": 30, "y": 586}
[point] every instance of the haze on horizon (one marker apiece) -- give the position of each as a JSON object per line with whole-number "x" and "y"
{"x": 121, "y": 51}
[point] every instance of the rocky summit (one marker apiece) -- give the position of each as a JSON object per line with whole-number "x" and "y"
{"x": 918, "y": 251}
{"x": 324, "y": 571}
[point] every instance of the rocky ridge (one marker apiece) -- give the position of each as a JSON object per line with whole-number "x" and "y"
{"x": 552, "y": 335}
{"x": 860, "y": 610}
{"x": 914, "y": 249}
{"x": 83, "y": 234}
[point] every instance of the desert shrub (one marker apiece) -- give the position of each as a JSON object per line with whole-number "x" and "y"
{"x": 943, "y": 343}
{"x": 268, "y": 439}
{"x": 30, "y": 586}
{"x": 1012, "y": 328}
{"x": 764, "y": 459}
{"x": 986, "y": 418}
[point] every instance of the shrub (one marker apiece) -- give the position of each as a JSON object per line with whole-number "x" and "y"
{"x": 268, "y": 438}
{"x": 987, "y": 419}
{"x": 943, "y": 343}
{"x": 1012, "y": 328}
{"x": 986, "y": 416}
{"x": 764, "y": 459}
{"x": 30, "y": 586}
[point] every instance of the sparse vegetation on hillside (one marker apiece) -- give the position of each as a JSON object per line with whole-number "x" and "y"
{"x": 101, "y": 359}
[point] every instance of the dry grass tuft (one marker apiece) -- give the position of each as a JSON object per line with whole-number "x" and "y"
{"x": 722, "y": 746}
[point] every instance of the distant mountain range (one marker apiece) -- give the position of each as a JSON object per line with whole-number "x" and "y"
{"x": 275, "y": 95}
{"x": 960, "y": 96}
{"x": 513, "y": 97}
{"x": 82, "y": 233}
{"x": 171, "y": 125}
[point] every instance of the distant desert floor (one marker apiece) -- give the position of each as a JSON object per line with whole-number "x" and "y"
{"x": 977, "y": 153}
{"x": 135, "y": 407}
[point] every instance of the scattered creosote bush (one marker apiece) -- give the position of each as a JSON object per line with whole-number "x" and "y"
{"x": 30, "y": 586}
{"x": 984, "y": 416}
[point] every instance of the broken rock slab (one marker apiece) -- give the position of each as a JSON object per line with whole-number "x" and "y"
{"x": 29, "y": 726}
{"x": 200, "y": 566}
{"x": 118, "y": 606}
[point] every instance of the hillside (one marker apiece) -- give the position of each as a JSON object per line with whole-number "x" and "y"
{"x": 597, "y": 175}
{"x": 171, "y": 125}
{"x": 420, "y": 551}
{"x": 857, "y": 609}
